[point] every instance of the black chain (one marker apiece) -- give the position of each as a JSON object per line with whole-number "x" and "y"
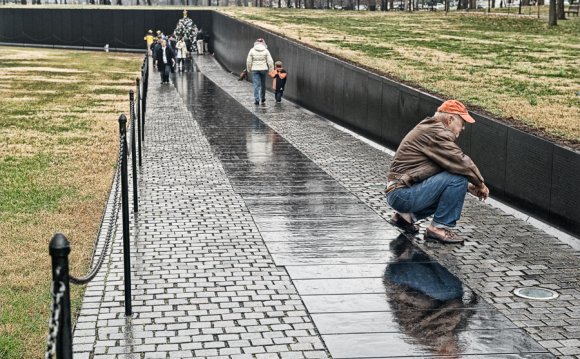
{"x": 112, "y": 223}
{"x": 53, "y": 321}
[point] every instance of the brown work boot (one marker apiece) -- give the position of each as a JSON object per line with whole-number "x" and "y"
{"x": 443, "y": 235}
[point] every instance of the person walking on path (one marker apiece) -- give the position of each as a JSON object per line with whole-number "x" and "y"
{"x": 165, "y": 61}
{"x": 149, "y": 38}
{"x": 279, "y": 80}
{"x": 430, "y": 175}
{"x": 199, "y": 41}
{"x": 259, "y": 63}
{"x": 172, "y": 43}
{"x": 155, "y": 49}
{"x": 181, "y": 53}
{"x": 206, "y": 42}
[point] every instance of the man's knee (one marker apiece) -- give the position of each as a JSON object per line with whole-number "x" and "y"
{"x": 458, "y": 181}
{"x": 453, "y": 178}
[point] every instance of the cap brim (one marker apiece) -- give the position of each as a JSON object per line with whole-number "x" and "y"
{"x": 467, "y": 118}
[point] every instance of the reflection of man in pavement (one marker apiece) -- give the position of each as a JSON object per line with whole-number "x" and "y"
{"x": 426, "y": 299}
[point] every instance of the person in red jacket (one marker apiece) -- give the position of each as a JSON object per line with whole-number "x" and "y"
{"x": 279, "y": 80}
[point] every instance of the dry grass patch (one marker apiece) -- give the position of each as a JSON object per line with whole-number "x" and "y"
{"x": 512, "y": 67}
{"x": 58, "y": 150}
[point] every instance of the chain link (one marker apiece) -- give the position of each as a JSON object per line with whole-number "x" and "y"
{"x": 53, "y": 322}
{"x": 112, "y": 222}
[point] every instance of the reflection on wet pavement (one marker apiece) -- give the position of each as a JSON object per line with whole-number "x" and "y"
{"x": 370, "y": 292}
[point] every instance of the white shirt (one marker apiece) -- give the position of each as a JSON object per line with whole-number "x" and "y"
{"x": 164, "y": 54}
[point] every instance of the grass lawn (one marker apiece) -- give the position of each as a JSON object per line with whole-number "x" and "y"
{"x": 515, "y": 68}
{"x": 58, "y": 149}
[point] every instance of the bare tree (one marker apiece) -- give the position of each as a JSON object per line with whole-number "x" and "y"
{"x": 552, "y": 19}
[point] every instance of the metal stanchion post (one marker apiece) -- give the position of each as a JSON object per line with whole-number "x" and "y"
{"x": 139, "y": 118}
{"x": 125, "y": 202}
{"x": 145, "y": 91}
{"x": 59, "y": 249}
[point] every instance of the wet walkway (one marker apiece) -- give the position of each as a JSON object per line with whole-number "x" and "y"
{"x": 262, "y": 234}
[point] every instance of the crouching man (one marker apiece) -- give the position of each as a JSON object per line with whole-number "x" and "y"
{"x": 430, "y": 175}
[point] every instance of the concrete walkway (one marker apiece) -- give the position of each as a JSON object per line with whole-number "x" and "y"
{"x": 234, "y": 255}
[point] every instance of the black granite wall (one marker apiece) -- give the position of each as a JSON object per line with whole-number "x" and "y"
{"x": 90, "y": 28}
{"x": 528, "y": 172}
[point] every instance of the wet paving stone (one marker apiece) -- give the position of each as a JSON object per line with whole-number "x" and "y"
{"x": 359, "y": 270}
{"x": 464, "y": 344}
{"x": 327, "y": 248}
{"x": 326, "y": 237}
{"x": 390, "y": 322}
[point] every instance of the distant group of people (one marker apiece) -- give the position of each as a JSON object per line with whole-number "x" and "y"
{"x": 169, "y": 53}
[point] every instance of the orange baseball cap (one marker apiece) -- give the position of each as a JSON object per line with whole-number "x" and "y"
{"x": 456, "y": 107}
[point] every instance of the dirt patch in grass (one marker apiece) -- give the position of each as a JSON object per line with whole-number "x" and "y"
{"x": 58, "y": 151}
{"x": 514, "y": 69}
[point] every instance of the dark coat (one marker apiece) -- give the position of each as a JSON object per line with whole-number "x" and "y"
{"x": 155, "y": 47}
{"x": 159, "y": 57}
{"x": 279, "y": 81}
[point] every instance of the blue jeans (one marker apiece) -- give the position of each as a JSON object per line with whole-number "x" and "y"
{"x": 442, "y": 195}
{"x": 165, "y": 72}
{"x": 278, "y": 95}
{"x": 259, "y": 81}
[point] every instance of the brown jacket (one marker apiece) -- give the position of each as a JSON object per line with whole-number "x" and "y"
{"x": 427, "y": 150}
